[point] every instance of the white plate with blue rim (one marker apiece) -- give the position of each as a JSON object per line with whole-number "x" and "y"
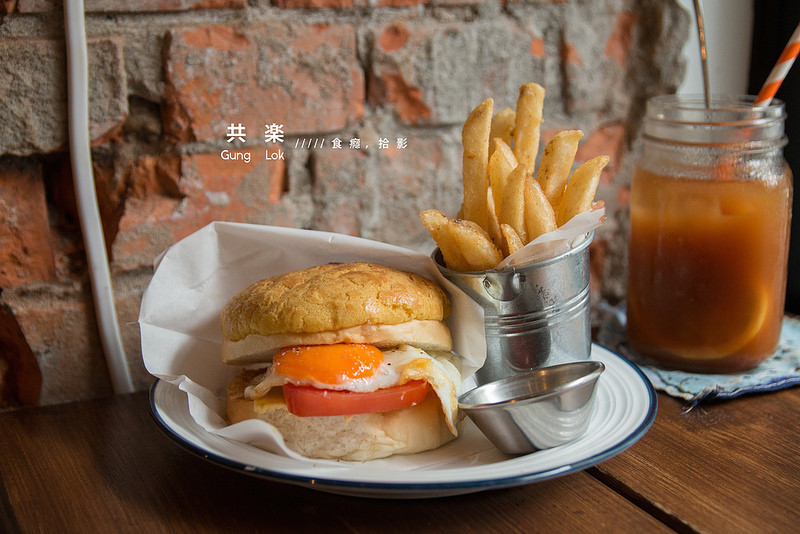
{"x": 624, "y": 409}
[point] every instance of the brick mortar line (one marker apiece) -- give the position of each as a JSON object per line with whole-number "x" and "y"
{"x": 103, "y": 24}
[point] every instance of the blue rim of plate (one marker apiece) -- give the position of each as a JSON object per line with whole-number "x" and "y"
{"x": 454, "y": 488}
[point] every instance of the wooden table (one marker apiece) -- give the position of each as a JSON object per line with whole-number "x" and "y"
{"x": 105, "y": 466}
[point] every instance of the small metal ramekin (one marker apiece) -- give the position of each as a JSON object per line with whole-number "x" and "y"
{"x": 536, "y": 409}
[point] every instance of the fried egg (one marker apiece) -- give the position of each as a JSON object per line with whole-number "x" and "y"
{"x": 362, "y": 368}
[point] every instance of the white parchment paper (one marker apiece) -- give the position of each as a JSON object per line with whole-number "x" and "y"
{"x": 194, "y": 278}
{"x": 549, "y": 245}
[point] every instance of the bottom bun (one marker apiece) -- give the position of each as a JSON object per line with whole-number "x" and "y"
{"x": 358, "y": 437}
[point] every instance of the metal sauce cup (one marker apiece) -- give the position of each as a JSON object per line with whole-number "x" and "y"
{"x": 537, "y": 409}
{"x": 534, "y": 315}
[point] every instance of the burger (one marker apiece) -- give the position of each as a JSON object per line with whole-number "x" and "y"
{"x": 348, "y": 361}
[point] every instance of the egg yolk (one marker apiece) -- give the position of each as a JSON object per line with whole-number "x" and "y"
{"x": 328, "y": 364}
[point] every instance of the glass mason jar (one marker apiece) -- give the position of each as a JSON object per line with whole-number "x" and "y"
{"x": 710, "y": 211}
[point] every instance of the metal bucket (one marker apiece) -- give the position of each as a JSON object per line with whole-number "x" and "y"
{"x": 535, "y": 315}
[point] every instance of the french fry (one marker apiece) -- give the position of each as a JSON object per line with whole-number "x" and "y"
{"x": 437, "y": 224}
{"x": 512, "y": 238}
{"x": 475, "y": 139}
{"x": 501, "y": 163}
{"x": 512, "y": 211}
{"x": 580, "y": 190}
{"x": 527, "y": 123}
{"x": 502, "y": 127}
{"x": 556, "y": 163}
{"x": 474, "y": 244}
{"x": 540, "y": 217}
{"x": 494, "y": 223}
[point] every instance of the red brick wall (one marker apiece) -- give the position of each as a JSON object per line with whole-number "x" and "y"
{"x": 167, "y": 77}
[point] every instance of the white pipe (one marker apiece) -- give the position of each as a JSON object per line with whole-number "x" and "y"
{"x": 92, "y": 229}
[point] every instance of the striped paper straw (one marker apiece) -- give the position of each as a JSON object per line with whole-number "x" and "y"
{"x": 780, "y": 70}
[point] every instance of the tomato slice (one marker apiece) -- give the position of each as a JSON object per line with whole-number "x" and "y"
{"x": 306, "y": 401}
